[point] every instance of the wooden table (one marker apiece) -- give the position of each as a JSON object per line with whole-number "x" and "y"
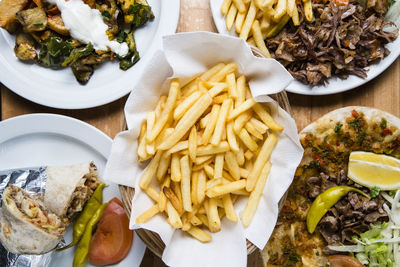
{"x": 195, "y": 15}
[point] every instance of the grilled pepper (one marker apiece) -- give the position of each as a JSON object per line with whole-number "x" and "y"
{"x": 325, "y": 201}
{"x": 81, "y": 253}
{"x": 88, "y": 211}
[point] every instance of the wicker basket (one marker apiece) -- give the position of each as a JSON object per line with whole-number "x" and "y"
{"x": 153, "y": 240}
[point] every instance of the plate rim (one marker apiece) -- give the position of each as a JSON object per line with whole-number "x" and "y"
{"x": 169, "y": 16}
{"x": 22, "y": 125}
{"x": 343, "y": 86}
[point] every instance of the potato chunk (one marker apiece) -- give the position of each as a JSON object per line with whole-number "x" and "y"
{"x": 33, "y": 20}
{"x": 8, "y": 9}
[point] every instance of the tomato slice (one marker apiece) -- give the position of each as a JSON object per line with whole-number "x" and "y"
{"x": 344, "y": 261}
{"x": 112, "y": 240}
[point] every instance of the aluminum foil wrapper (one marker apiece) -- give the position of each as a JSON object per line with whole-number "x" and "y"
{"x": 33, "y": 180}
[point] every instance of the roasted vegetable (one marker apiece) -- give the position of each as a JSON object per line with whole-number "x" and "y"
{"x": 325, "y": 201}
{"x": 140, "y": 14}
{"x": 78, "y": 53}
{"x": 54, "y": 51}
{"x": 25, "y": 47}
{"x": 56, "y": 24}
{"x": 32, "y": 20}
{"x": 8, "y": 9}
{"x": 133, "y": 56}
{"x": 82, "y": 72}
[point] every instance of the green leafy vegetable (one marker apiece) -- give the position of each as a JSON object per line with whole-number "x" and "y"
{"x": 54, "y": 51}
{"x": 133, "y": 56}
{"x": 374, "y": 192}
{"x": 383, "y": 123}
{"x": 338, "y": 126}
{"x": 106, "y": 15}
{"x": 141, "y": 14}
{"x": 78, "y": 53}
{"x": 121, "y": 36}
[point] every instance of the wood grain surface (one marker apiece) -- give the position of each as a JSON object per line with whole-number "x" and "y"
{"x": 195, "y": 15}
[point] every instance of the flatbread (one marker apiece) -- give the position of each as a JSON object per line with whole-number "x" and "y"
{"x": 63, "y": 181}
{"x": 19, "y": 235}
{"x": 290, "y": 242}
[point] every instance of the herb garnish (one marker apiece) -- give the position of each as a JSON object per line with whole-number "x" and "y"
{"x": 374, "y": 192}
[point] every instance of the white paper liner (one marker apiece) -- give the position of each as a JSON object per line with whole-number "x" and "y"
{"x": 184, "y": 56}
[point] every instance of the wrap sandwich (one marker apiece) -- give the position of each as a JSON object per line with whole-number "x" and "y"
{"x": 26, "y": 225}
{"x": 68, "y": 188}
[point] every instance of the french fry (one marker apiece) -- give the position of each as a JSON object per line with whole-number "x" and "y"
{"x": 225, "y": 6}
{"x": 203, "y": 159}
{"x": 151, "y": 118}
{"x": 186, "y": 225}
{"x": 280, "y": 10}
{"x": 220, "y": 98}
{"x": 241, "y": 90}
{"x": 231, "y": 81}
{"x": 212, "y": 121}
{"x": 160, "y": 123}
{"x": 187, "y": 121}
{"x": 244, "y": 173}
{"x": 163, "y": 166}
{"x": 185, "y": 183}
{"x": 254, "y": 199}
{"x": 203, "y": 219}
{"x": 248, "y": 155}
{"x": 173, "y": 217}
{"x": 214, "y": 222}
{"x": 201, "y": 186}
{"x": 150, "y": 171}
{"x": 295, "y": 16}
{"x": 232, "y": 165}
{"x": 239, "y": 21}
{"x": 220, "y": 75}
{"x": 173, "y": 199}
{"x": 229, "y": 210}
{"x": 277, "y": 27}
{"x": 194, "y": 220}
{"x": 231, "y": 137}
{"x": 213, "y": 182}
{"x": 246, "y": 105}
{"x": 259, "y": 126}
{"x": 192, "y": 147}
{"x": 240, "y": 157}
{"x": 253, "y": 131}
{"x": 210, "y": 149}
{"x": 262, "y": 158}
{"x": 251, "y": 15}
{"x": 141, "y": 151}
{"x": 194, "y": 182}
{"x": 176, "y": 175}
{"x": 241, "y": 192}
{"x": 258, "y": 38}
{"x": 290, "y": 7}
{"x": 265, "y": 23}
{"x": 209, "y": 171}
{"x": 204, "y": 121}
{"x": 266, "y": 117}
{"x": 247, "y": 140}
{"x": 220, "y": 125}
{"x": 159, "y": 106}
{"x": 162, "y": 200}
{"x": 241, "y": 121}
{"x": 230, "y": 17}
{"x": 186, "y": 104}
{"x": 219, "y": 166}
{"x": 152, "y": 193}
{"x": 220, "y": 190}
{"x": 148, "y": 214}
{"x": 308, "y": 12}
{"x": 199, "y": 234}
{"x": 176, "y": 187}
{"x": 240, "y": 5}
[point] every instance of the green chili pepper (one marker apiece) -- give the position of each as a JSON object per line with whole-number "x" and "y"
{"x": 325, "y": 201}
{"x": 90, "y": 208}
{"x": 81, "y": 253}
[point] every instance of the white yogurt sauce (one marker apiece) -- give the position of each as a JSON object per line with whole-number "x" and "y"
{"x": 87, "y": 26}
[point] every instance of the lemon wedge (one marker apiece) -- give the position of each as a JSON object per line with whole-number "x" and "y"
{"x": 370, "y": 170}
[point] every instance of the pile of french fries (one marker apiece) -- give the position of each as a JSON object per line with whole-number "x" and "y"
{"x": 209, "y": 143}
{"x": 257, "y": 20}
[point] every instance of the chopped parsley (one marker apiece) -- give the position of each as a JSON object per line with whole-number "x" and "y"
{"x": 38, "y": 24}
{"x": 374, "y": 192}
{"x": 383, "y": 123}
{"x": 106, "y": 15}
{"x": 356, "y": 124}
{"x": 338, "y": 126}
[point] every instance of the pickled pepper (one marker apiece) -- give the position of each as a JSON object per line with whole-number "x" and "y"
{"x": 325, "y": 201}
{"x": 88, "y": 211}
{"x": 82, "y": 251}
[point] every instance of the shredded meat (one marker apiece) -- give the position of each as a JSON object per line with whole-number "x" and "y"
{"x": 349, "y": 216}
{"x": 341, "y": 40}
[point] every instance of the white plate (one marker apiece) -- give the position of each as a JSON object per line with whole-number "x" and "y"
{"x": 335, "y": 85}
{"x": 47, "y": 139}
{"x": 59, "y": 88}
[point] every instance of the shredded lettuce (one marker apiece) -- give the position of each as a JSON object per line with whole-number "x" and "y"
{"x": 379, "y": 246}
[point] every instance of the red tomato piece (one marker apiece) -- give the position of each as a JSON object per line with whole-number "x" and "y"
{"x": 344, "y": 261}
{"x": 113, "y": 239}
